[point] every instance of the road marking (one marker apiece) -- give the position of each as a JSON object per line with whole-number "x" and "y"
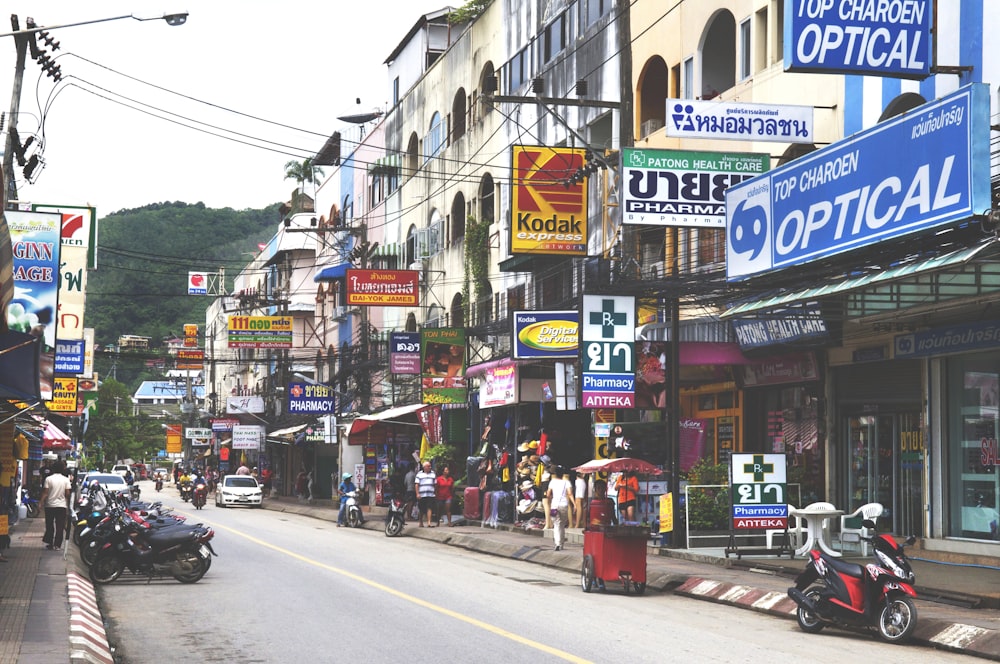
{"x": 416, "y": 600}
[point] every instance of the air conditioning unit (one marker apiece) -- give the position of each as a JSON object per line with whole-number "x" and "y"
{"x": 653, "y": 271}
{"x": 340, "y": 313}
{"x": 417, "y": 265}
{"x": 650, "y": 126}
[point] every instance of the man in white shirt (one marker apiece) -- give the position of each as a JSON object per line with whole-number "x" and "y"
{"x": 424, "y": 483}
{"x": 55, "y": 500}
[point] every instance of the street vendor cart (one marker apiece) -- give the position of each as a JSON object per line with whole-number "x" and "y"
{"x": 614, "y": 552}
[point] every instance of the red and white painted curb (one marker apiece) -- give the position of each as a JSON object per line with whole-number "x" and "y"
{"x": 958, "y": 637}
{"x": 87, "y": 638}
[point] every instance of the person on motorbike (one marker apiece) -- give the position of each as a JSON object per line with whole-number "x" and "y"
{"x": 346, "y": 487}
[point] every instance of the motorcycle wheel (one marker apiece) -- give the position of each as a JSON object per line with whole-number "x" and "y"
{"x": 106, "y": 569}
{"x": 393, "y": 527}
{"x": 189, "y": 567}
{"x": 808, "y": 621}
{"x": 76, "y": 534}
{"x": 354, "y": 518}
{"x": 89, "y": 550}
{"x": 32, "y": 510}
{"x": 897, "y": 620}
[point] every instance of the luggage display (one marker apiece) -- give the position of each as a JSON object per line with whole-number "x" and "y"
{"x": 472, "y": 470}
{"x": 505, "y": 506}
{"x": 473, "y": 507}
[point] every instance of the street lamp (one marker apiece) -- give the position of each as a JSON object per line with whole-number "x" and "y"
{"x": 22, "y": 39}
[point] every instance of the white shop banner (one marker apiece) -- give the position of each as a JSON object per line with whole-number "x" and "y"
{"x": 739, "y": 121}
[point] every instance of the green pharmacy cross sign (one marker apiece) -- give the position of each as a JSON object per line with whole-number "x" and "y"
{"x": 758, "y": 486}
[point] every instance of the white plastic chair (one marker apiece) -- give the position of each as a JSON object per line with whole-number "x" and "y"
{"x": 794, "y": 531}
{"x": 856, "y": 535}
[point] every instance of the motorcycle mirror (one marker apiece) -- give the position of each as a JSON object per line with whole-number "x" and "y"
{"x": 868, "y": 523}
{"x": 910, "y": 540}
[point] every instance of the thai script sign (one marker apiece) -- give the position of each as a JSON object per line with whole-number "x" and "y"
{"x": 553, "y": 334}
{"x": 442, "y": 365}
{"x": 758, "y": 491}
{"x": 908, "y": 175}
{"x": 306, "y": 398}
{"x": 404, "y": 353}
{"x": 549, "y": 215}
{"x": 193, "y": 360}
{"x": 953, "y": 339}
{"x": 608, "y": 359}
{"x": 387, "y": 288}
{"x": 69, "y": 356}
{"x": 875, "y": 37}
{"x": 259, "y": 331}
{"x": 797, "y": 368}
{"x": 739, "y": 121}
{"x": 197, "y": 283}
{"x": 683, "y": 188}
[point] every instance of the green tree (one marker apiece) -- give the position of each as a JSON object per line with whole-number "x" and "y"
{"x": 114, "y": 433}
{"x": 303, "y": 171}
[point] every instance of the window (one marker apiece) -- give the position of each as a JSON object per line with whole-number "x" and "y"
{"x": 518, "y": 69}
{"x": 596, "y": 9}
{"x": 554, "y": 38}
{"x": 688, "y": 82}
{"x": 434, "y": 141}
{"x": 395, "y": 91}
{"x": 744, "y": 50}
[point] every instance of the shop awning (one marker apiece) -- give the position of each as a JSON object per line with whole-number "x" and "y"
{"x": 53, "y": 439}
{"x": 333, "y": 272}
{"x": 290, "y": 431}
{"x": 812, "y": 293}
{"x": 390, "y": 416}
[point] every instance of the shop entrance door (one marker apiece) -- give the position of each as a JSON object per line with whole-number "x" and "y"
{"x": 886, "y": 466}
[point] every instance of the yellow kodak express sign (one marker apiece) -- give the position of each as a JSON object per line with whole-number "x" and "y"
{"x": 549, "y": 214}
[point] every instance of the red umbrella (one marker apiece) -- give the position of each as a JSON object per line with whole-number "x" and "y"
{"x": 626, "y": 465}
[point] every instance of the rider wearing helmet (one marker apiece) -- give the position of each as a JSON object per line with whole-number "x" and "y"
{"x": 346, "y": 487}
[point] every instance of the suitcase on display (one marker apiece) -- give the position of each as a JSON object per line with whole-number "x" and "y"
{"x": 505, "y": 506}
{"x": 472, "y": 470}
{"x": 472, "y": 505}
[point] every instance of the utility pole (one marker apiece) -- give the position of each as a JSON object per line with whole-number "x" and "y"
{"x": 21, "y": 42}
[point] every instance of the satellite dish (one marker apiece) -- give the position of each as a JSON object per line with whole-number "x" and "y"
{"x": 360, "y": 118}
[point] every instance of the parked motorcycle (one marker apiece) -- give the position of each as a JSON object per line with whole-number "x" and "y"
{"x": 134, "y": 491}
{"x": 394, "y": 518}
{"x": 353, "y": 513}
{"x": 200, "y": 495}
{"x": 877, "y": 596}
{"x": 182, "y": 552}
{"x": 30, "y": 504}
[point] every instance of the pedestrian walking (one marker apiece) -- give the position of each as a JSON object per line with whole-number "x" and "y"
{"x": 55, "y": 500}
{"x": 424, "y": 485}
{"x": 410, "y": 496}
{"x": 560, "y": 494}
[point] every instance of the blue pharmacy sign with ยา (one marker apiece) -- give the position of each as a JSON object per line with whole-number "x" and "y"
{"x": 759, "y": 490}
{"x": 873, "y": 37}
{"x": 909, "y": 175}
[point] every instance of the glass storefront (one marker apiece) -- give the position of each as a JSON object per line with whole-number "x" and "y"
{"x": 973, "y": 474}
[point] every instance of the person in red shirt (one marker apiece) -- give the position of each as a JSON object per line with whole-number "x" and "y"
{"x": 444, "y": 487}
{"x": 628, "y": 488}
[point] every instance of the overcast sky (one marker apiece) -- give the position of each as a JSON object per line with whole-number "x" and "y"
{"x": 294, "y": 66}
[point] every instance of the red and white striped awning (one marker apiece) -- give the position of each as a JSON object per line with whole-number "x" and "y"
{"x": 53, "y": 438}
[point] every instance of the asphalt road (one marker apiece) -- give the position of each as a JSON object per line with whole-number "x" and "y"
{"x": 288, "y": 588}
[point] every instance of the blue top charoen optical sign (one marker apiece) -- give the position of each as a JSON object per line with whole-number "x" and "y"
{"x": 875, "y": 37}
{"x": 908, "y": 175}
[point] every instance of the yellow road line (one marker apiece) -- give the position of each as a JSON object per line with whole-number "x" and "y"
{"x": 416, "y": 600}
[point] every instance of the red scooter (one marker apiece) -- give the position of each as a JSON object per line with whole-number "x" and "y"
{"x": 874, "y": 596}
{"x": 200, "y": 495}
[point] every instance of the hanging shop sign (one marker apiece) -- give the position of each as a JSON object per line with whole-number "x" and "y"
{"x": 762, "y": 332}
{"x": 77, "y": 252}
{"x": 224, "y": 424}
{"x": 404, "y": 353}
{"x": 69, "y": 356}
{"x": 193, "y": 360}
{"x": 546, "y": 334}
{"x": 174, "y": 443}
{"x": 247, "y": 404}
{"x": 877, "y": 38}
{"x": 259, "y": 331}
{"x": 740, "y": 121}
{"x": 608, "y": 358}
{"x": 197, "y": 283}
{"x": 309, "y": 399}
{"x": 64, "y": 393}
{"x": 442, "y": 362}
{"x": 498, "y": 385}
{"x": 758, "y": 491}
{"x": 549, "y": 213}
{"x": 681, "y": 187}
{"x": 798, "y": 368}
{"x": 248, "y": 437}
{"x": 960, "y": 338}
{"x": 914, "y": 173}
{"x": 386, "y": 288}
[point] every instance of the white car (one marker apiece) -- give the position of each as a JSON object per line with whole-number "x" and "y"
{"x": 113, "y": 483}
{"x": 120, "y": 469}
{"x": 238, "y": 490}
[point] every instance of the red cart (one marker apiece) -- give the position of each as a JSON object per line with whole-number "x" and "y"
{"x": 614, "y": 553}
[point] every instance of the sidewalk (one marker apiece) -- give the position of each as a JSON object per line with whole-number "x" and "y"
{"x": 946, "y": 592}
{"x": 48, "y": 607}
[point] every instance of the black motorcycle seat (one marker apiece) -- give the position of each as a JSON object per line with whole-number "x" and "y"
{"x": 845, "y": 568}
{"x": 170, "y": 536}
